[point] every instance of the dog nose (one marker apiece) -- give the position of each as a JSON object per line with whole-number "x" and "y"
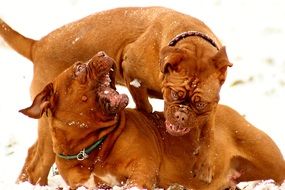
{"x": 180, "y": 116}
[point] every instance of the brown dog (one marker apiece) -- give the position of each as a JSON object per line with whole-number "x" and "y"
{"x": 156, "y": 49}
{"x": 99, "y": 144}
{"x": 137, "y": 38}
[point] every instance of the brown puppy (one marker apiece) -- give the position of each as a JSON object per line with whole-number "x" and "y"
{"x": 99, "y": 144}
{"x": 156, "y": 49}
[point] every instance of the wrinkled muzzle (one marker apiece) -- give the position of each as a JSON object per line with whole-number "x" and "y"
{"x": 179, "y": 119}
{"x": 111, "y": 101}
{"x": 103, "y": 68}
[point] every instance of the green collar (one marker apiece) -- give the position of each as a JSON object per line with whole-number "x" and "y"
{"x": 83, "y": 154}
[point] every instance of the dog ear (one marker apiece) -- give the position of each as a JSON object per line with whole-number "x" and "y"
{"x": 222, "y": 62}
{"x": 41, "y": 103}
{"x": 170, "y": 58}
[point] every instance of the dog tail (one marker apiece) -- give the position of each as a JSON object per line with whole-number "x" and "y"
{"x": 18, "y": 42}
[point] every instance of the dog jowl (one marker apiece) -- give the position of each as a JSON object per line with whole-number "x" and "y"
{"x": 81, "y": 107}
{"x": 89, "y": 85}
{"x": 191, "y": 85}
{"x": 191, "y": 91}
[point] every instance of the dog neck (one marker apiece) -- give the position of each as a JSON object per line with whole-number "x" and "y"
{"x": 113, "y": 136}
{"x": 102, "y": 139}
{"x": 83, "y": 154}
{"x": 183, "y": 35}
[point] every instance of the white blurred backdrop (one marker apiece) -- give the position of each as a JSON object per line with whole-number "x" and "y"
{"x": 253, "y": 32}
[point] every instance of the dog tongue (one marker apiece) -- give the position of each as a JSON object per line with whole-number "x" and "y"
{"x": 112, "y": 101}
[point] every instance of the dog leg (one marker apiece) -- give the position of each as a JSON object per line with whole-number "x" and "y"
{"x": 31, "y": 152}
{"x": 140, "y": 62}
{"x": 139, "y": 94}
{"x": 39, "y": 159}
{"x": 139, "y": 184}
{"x": 176, "y": 187}
{"x": 260, "y": 158}
{"x": 204, "y": 167}
{"x": 142, "y": 176}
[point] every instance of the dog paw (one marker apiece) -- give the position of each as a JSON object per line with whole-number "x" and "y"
{"x": 204, "y": 171}
{"x": 22, "y": 178}
{"x": 176, "y": 187}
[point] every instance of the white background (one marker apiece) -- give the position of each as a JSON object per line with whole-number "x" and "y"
{"x": 253, "y": 32}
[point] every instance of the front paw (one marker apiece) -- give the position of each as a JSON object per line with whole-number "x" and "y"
{"x": 176, "y": 187}
{"x": 204, "y": 170}
{"x": 22, "y": 177}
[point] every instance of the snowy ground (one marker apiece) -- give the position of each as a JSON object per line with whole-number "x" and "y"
{"x": 253, "y": 32}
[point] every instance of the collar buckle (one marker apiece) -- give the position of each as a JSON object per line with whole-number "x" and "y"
{"x": 82, "y": 155}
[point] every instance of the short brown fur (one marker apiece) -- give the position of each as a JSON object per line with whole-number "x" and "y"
{"x": 137, "y": 38}
{"x": 137, "y": 150}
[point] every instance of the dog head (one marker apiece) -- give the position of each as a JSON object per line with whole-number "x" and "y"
{"x": 191, "y": 85}
{"x": 83, "y": 95}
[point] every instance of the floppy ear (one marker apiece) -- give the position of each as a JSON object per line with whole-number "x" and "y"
{"x": 40, "y": 104}
{"x": 170, "y": 58}
{"x": 222, "y": 62}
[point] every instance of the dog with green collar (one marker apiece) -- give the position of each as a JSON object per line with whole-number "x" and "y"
{"x": 99, "y": 144}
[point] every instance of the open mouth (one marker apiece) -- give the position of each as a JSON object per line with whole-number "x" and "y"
{"x": 108, "y": 78}
{"x": 176, "y": 130}
{"x": 110, "y": 100}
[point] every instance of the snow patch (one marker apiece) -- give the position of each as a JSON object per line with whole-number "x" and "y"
{"x": 261, "y": 185}
{"x": 90, "y": 183}
{"x": 75, "y": 40}
{"x": 109, "y": 179}
{"x": 136, "y": 83}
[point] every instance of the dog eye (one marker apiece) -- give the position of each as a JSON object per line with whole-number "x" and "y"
{"x": 200, "y": 105}
{"x": 80, "y": 68}
{"x": 174, "y": 95}
{"x": 177, "y": 95}
{"x": 80, "y": 72}
{"x": 181, "y": 94}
